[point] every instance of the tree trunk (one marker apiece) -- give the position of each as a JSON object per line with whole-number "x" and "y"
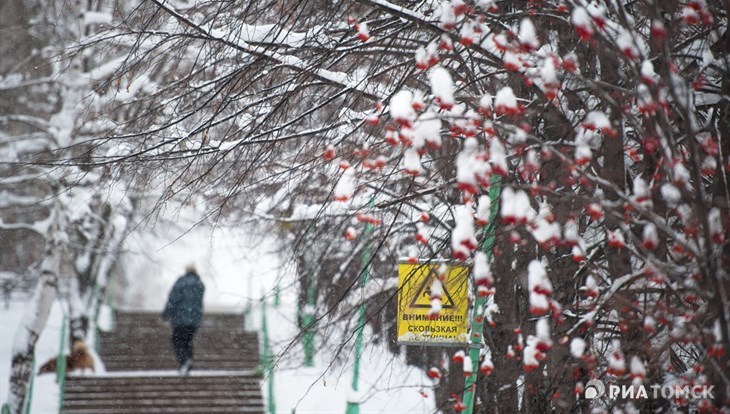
{"x": 115, "y": 232}
{"x": 500, "y": 393}
{"x": 30, "y": 329}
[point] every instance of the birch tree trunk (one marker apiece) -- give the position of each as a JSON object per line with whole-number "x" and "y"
{"x": 115, "y": 231}
{"x": 30, "y": 329}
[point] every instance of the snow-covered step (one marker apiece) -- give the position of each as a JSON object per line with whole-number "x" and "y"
{"x": 246, "y": 343}
{"x": 142, "y": 321}
{"x": 163, "y": 394}
{"x": 202, "y": 362}
{"x": 136, "y": 319}
{"x": 164, "y": 334}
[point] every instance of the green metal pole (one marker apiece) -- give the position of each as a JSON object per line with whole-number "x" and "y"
{"x": 248, "y": 319}
{"x": 267, "y": 360}
{"x": 277, "y": 296}
{"x": 477, "y": 328}
{"x": 109, "y": 296}
{"x": 308, "y": 321}
{"x": 97, "y": 307}
{"x": 61, "y": 365}
{"x": 29, "y": 397}
{"x": 353, "y": 407}
{"x": 308, "y": 313}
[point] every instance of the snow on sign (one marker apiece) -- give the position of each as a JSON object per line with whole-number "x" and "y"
{"x": 432, "y": 304}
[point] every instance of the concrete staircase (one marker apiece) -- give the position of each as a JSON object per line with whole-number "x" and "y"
{"x": 142, "y": 374}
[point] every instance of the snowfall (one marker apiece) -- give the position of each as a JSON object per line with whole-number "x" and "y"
{"x": 238, "y": 271}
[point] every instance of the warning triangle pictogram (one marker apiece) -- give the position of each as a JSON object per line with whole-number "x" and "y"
{"x": 422, "y": 299}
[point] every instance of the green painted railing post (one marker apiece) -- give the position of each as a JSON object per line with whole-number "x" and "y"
{"x": 61, "y": 365}
{"x": 353, "y": 407}
{"x": 308, "y": 322}
{"x": 477, "y": 328}
{"x": 308, "y": 314}
{"x": 97, "y": 301}
{"x": 248, "y": 318}
{"x": 29, "y": 397}
{"x": 267, "y": 360}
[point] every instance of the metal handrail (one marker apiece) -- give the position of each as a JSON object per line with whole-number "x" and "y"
{"x": 61, "y": 365}
{"x": 29, "y": 397}
{"x": 267, "y": 360}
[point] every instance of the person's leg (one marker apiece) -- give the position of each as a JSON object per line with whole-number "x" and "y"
{"x": 179, "y": 343}
{"x": 189, "y": 335}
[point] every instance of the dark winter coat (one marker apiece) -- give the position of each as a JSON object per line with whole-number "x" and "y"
{"x": 185, "y": 303}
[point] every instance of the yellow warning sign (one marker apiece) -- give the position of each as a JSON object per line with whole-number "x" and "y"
{"x": 418, "y": 324}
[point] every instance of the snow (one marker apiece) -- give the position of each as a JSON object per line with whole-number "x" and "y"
{"x": 548, "y": 73}
{"x": 467, "y": 365}
{"x": 498, "y": 156}
{"x": 463, "y": 240}
{"x": 327, "y": 388}
{"x": 91, "y": 17}
{"x": 235, "y": 265}
{"x": 401, "y": 109}
{"x": 671, "y": 194}
{"x": 386, "y": 383}
{"x": 485, "y": 102}
{"x": 650, "y": 237}
{"x": 505, "y": 101}
{"x": 545, "y": 232}
{"x": 616, "y": 361}
{"x": 483, "y": 210}
{"x": 423, "y": 58}
{"x": 714, "y": 219}
{"x": 442, "y": 87}
{"x": 515, "y": 206}
{"x": 626, "y": 43}
{"x": 428, "y": 129}
{"x": 448, "y": 18}
{"x": 527, "y": 35}
{"x": 539, "y": 287}
{"x": 542, "y": 332}
{"x": 328, "y": 392}
{"x": 530, "y": 354}
{"x": 11, "y": 314}
{"x": 647, "y": 72}
{"x": 537, "y": 278}
{"x": 362, "y": 31}
{"x": 597, "y": 120}
{"x": 482, "y": 273}
{"x": 577, "y": 347}
{"x": 513, "y": 62}
{"x": 582, "y": 20}
{"x": 470, "y": 167}
{"x": 468, "y": 33}
{"x": 345, "y": 187}
{"x": 717, "y": 331}
{"x": 412, "y": 162}
{"x": 638, "y": 370}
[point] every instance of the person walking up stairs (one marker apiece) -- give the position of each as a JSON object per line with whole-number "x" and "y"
{"x": 183, "y": 310}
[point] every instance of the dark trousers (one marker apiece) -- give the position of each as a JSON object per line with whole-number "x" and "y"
{"x": 182, "y": 342}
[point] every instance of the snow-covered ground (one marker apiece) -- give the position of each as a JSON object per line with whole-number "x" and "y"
{"x": 45, "y": 389}
{"x": 236, "y": 268}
